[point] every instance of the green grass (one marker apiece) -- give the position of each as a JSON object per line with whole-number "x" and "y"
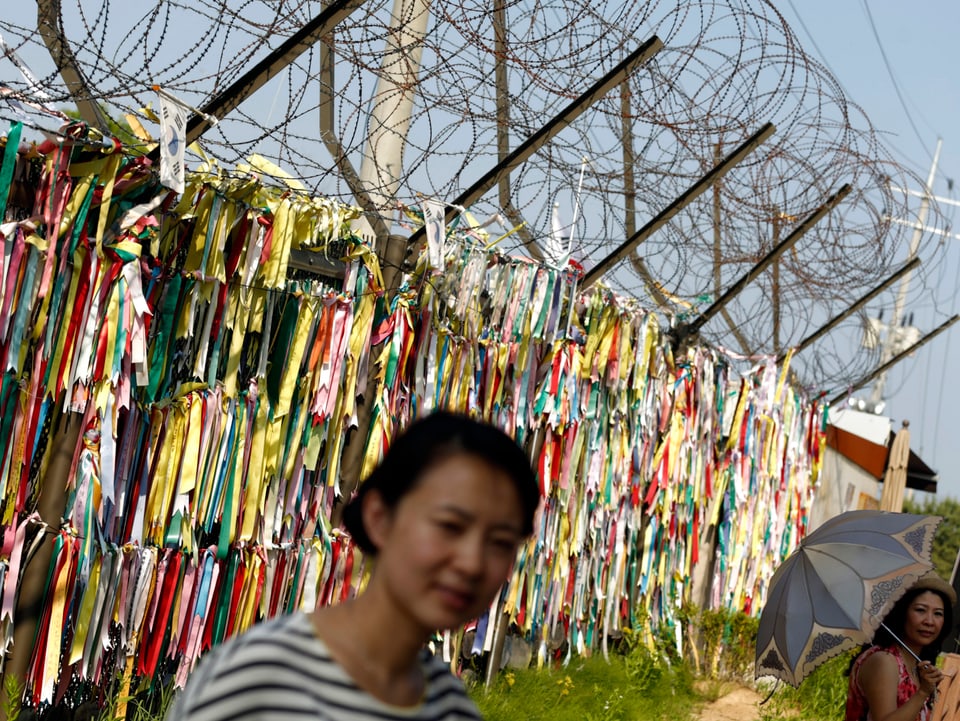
{"x": 641, "y": 686}
{"x": 636, "y": 684}
{"x": 12, "y": 693}
{"x": 633, "y": 686}
{"x": 821, "y": 697}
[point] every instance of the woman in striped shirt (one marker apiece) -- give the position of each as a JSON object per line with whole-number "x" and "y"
{"x": 442, "y": 517}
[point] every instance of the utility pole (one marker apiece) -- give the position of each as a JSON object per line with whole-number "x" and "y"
{"x": 390, "y": 119}
{"x": 379, "y": 178}
{"x": 896, "y": 338}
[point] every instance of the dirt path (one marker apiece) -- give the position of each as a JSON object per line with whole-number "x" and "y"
{"x": 741, "y": 704}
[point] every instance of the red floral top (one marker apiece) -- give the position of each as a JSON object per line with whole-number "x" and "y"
{"x": 857, "y": 709}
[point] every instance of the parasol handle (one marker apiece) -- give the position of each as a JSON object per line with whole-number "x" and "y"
{"x": 908, "y": 650}
{"x": 897, "y": 639}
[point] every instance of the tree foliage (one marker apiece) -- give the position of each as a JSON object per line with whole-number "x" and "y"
{"x": 946, "y": 542}
{"x": 119, "y": 129}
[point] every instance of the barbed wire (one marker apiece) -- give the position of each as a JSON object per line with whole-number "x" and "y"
{"x": 727, "y": 67}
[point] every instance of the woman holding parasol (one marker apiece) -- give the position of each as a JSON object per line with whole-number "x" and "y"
{"x": 894, "y": 678}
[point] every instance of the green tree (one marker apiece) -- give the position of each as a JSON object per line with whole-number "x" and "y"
{"x": 119, "y": 129}
{"x": 946, "y": 542}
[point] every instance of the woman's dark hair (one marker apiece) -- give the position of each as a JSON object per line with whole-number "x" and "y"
{"x": 896, "y": 621}
{"x": 429, "y": 440}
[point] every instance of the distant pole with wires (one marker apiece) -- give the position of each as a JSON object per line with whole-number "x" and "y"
{"x": 893, "y": 334}
{"x": 576, "y": 205}
{"x": 380, "y": 173}
{"x": 388, "y": 125}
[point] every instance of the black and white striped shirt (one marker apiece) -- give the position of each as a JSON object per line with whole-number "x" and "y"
{"x": 280, "y": 671}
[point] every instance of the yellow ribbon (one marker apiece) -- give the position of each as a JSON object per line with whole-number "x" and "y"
{"x": 198, "y": 239}
{"x": 234, "y": 490}
{"x": 51, "y": 662}
{"x": 110, "y": 171}
{"x": 190, "y": 467}
{"x": 240, "y": 318}
{"x": 284, "y": 220}
{"x": 162, "y": 489}
{"x": 247, "y": 606}
{"x": 82, "y": 628}
{"x": 255, "y": 486}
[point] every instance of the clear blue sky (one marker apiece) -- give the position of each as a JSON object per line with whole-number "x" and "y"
{"x": 916, "y": 43}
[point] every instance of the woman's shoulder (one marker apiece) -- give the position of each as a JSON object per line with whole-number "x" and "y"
{"x": 445, "y": 691}
{"x": 291, "y": 632}
{"x": 285, "y": 641}
{"x": 276, "y": 664}
{"x": 879, "y": 651}
{"x": 878, "y": 661}
{"x": 878, "y": 654}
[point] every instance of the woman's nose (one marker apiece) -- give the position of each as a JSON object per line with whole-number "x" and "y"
{"x": 470, "y": 556}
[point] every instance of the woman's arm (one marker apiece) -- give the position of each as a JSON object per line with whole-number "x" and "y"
{"x": 880, "y": 678}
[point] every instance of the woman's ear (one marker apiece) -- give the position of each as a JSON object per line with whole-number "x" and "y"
{"x": 377, "y": 517}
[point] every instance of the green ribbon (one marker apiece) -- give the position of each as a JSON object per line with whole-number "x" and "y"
{"x": 226, "y": 596}
{"x": 166, "y": 319}
{"x": 280, "y": 349}
{"x": 9, "y": 164}
{"x": 8, "y": 403}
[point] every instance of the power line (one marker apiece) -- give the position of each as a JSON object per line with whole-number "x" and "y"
{"x": 836, "y": 76}
{"x": 816, "y": 47}
{"x": 893, "y": 79}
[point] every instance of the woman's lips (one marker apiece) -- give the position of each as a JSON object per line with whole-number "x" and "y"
{"x": 456, "y": 599}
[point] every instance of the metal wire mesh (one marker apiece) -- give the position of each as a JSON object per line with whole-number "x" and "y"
{"x": 727, "y": 67}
